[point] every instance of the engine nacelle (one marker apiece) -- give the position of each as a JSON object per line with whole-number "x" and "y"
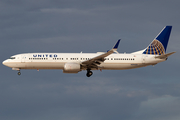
{"x": 71, "y": 68}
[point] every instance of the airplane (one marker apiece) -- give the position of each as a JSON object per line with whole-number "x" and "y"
{"x": 110, "y": 60}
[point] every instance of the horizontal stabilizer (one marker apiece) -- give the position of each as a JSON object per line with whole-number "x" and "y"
{"x": 165, "y": 55}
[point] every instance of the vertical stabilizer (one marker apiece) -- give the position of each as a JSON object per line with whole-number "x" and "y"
{"x": 159, "y": 44}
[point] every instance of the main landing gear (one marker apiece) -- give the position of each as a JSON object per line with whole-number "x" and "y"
{"x": 89, "y": 73}
{"x": 19, "y": 73}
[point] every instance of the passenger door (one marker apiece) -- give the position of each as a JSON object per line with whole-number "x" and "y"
{"x": 23, "y": 58}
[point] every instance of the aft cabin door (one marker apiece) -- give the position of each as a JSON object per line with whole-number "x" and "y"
{"x": 144, "y": 59}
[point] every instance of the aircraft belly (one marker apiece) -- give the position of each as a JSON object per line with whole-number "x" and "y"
{"x": 43, "y": 65}
{"x": 120, "y": 66}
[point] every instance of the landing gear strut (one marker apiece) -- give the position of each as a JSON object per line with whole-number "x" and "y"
{"x": 89, "y": 73}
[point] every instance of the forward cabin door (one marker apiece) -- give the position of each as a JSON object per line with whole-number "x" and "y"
{"x": 23, "y": 57}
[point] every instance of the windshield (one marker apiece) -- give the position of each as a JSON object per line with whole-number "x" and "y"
{"x": 12, "y": 57}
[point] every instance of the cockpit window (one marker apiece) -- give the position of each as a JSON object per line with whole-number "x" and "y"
{"x": 12, "y": 57}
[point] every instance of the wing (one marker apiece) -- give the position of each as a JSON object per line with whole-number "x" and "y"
{"x": 94, "y": 62}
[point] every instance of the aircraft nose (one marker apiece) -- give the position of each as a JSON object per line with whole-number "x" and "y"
{"x": 5, "y": 62}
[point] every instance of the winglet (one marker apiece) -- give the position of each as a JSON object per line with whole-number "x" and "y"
{"x": 116, "y": 45}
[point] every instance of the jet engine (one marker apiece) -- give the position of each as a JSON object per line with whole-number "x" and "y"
{"x": 71, "y": 68}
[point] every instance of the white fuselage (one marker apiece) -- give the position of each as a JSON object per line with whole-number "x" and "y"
{"x": 58, "y": 60}
{"x": 110, "y": 60}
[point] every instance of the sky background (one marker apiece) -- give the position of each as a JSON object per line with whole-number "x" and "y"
{"x": 149, "y": 93}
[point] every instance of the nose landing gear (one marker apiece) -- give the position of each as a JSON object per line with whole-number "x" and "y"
{"x": 89, "y": 73}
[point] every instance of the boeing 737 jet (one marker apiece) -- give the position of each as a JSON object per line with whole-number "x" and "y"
{"x": 111, "y": 60}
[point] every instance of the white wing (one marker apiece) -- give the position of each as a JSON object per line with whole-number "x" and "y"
{"x": 94, "y": 62}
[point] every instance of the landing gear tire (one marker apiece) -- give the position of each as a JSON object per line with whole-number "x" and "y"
{"x": 89, "y": 73}
{"x": 19, "y": 73}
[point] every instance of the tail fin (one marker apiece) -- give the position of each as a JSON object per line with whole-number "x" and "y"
{"x": 159, "y": 44}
